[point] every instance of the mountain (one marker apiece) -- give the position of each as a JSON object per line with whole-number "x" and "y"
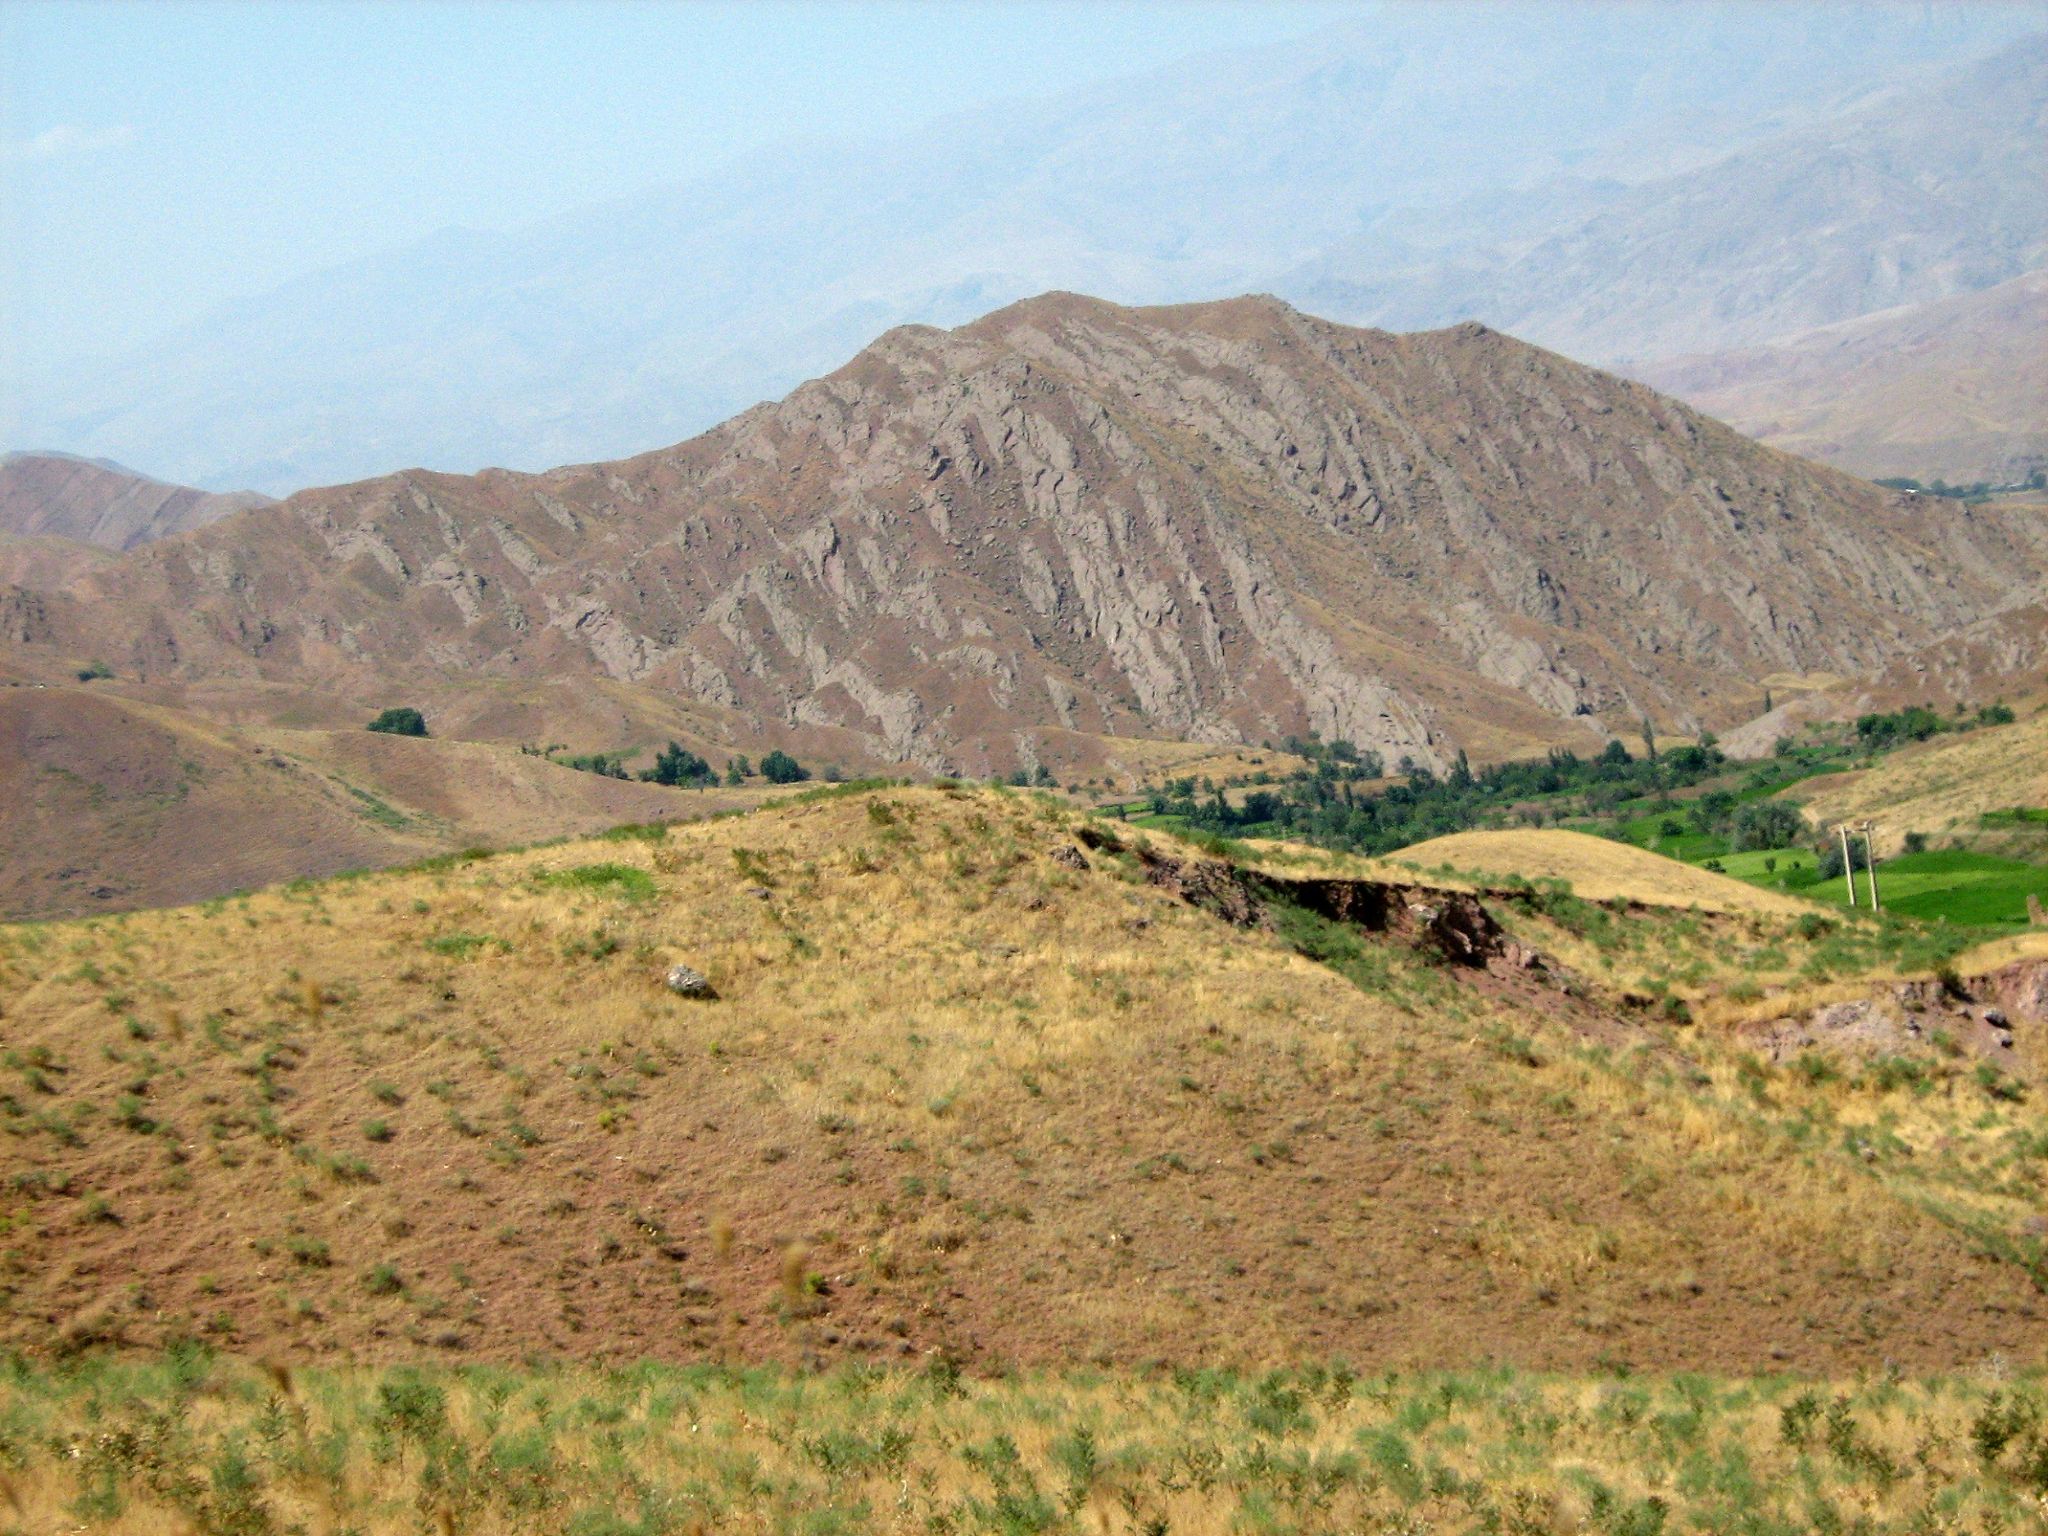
{"x": 93, "y": 501}
{"x": 1070, "y": 522}
{"x": 1364, "y": 171}
{"x": 1925, "y": 195}
{"x": 1956, "y": 389}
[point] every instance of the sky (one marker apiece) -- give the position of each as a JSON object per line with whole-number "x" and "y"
{"x": 157, "y": 159}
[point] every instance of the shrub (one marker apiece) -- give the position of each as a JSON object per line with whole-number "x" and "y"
{"x": 778, "y": 767}
{"x": 383, "y": 1280}
{"x": 626, "y": 880}
{"x": 400, "y": 720}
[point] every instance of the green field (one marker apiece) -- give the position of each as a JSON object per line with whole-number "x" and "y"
{"x": 1957, "y": 886}
{"x": 1789, "y": 869}
{"x": 1942, "y": 885}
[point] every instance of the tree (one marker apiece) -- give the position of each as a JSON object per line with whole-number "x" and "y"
{"x": 778, "y": 767}
{"x": 1767, "y": 824}
{"x": 736, "y": 770}
{"x": 1828, "y": 859}
{"x": 400, "y": 720}
{"x": 676, "y": 765}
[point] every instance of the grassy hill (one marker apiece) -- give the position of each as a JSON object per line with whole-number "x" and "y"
{"x": 993, "y": 1096}
{"x": 1597, "y": 869}
{"x": 1967, "y": 785}
{"x": 984, "y": 1086}
{"x": 119, "y": 801}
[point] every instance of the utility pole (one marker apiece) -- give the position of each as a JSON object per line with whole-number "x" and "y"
{"x": 1848, "y": 861}
{"x": 1870, "y": 863}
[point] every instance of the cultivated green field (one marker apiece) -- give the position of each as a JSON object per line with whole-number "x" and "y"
{"x": 1952, "y": 885}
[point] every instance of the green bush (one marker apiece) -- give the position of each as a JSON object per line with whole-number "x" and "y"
{"x": 400, "y": 720}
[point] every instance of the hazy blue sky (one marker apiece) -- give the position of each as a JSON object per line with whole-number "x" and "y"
{"x": 158, "y": 158}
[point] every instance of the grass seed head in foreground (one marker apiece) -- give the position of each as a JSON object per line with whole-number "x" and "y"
{"x": 221, "y": 1446}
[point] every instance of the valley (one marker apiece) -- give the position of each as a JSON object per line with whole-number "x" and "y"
{"x": 968, "y": 771}
{"x": 1071, "y": 541}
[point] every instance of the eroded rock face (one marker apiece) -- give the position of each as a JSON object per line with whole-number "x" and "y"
{"x": 1223, "y": 522}
{"x": 1986, "y": 1019}
{"x": 2021, "y": 992}
{"x": 1452, "y": 925}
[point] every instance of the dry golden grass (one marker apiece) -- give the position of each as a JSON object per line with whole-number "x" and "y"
{"x": 1942, "y": 786}
{"x": 1008, "y": 1108}
{"x": 1129, "y": 763}
{"x": 2003, "y": 952}
{"x": 1598, "y": 869}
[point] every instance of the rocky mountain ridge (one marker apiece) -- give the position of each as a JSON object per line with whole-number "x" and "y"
{"x": 1222, "y": 522}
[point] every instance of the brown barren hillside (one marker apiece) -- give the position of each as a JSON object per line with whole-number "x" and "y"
{"x": 115, "y": 802}
{"x": 54, "y": 495}
{"x": 1221, "y": 522}
{"x": 977, "y": 1078}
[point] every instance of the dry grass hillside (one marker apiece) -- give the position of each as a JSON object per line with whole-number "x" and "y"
{"x": 956, "y": 1094}
{"x": 1597, "y": 869}
{"x": 1943, "y": 786}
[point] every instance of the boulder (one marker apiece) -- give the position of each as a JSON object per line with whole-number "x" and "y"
{"x": 685, "y": 982}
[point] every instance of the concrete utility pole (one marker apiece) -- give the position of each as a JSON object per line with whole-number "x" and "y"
{"x": 1870, "y": 863}
{"x": 1848, "y": 862}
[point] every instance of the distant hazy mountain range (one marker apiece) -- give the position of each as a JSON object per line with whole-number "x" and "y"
{"x": 1956, "y": 389}
{"x": 98, "y": 502}
{"x": 1625, "y": 189}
